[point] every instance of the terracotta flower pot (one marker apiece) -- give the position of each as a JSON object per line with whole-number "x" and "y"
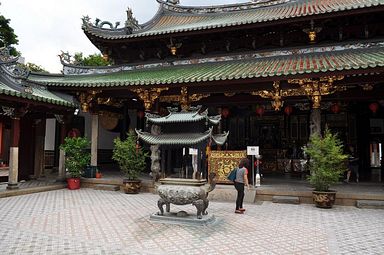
{"x": 73, "y": 183}
{"x": 324, "y": 199}
{"x": 131, "y": 186}
{"x": 98, "y": 175}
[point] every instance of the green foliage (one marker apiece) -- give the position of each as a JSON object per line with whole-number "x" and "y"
{"x": 131, "y": 160}
{"x": 76, "y": 156}
{"x": 35, "y": 68}
{"x": 91, "y": 60}
{"x": 7, "y": 35}
{"x": 327, "y": 161}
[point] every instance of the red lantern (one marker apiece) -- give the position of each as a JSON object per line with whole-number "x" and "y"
{"x": 260, "y": 110}
{"x": 74, "y": 132}
{"x": 288, "y": 110}
{"x": 373, "y": 107}
{"x": 225, "y": 112}
{"x": 140, "y": 114}
{"x": 335, "y": 108}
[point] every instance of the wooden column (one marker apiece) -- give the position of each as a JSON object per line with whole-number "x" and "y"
{"x": 14, "y": 154}
{"x": 61, "y": 173}
{"x": 94, "y": 139}
{"x": 204, "y": 162}
{"x": 162, "y": 162}
{"x": 169, "y": 161}
{"x": 39, "y": 165}
{"x": 199, "y": 168}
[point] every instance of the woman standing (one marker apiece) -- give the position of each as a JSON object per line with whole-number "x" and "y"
{"x": 240, "y": 181}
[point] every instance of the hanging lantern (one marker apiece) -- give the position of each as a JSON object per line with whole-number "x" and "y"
{"x": 260, "y": 110}
{"x": 140, "y": 114}
{"x": 225, "y": 112}
{"x": 288, "y": 110}
{"x": 73, "y": 133}
{"x": 374, "y": 107}
{"x": 335, "y": 108}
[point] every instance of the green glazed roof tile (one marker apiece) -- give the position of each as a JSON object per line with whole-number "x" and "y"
{"x": 176, "y": 139}
{"x": 286, "y": 65}
{"x": 38, "y": 94}
{"x": 181, "y": 19}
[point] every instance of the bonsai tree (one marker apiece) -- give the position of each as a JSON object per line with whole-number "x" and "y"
{"x": 76, "y": 156}
{"x": 327, "y": 161}
{"x": 129, "y": 156}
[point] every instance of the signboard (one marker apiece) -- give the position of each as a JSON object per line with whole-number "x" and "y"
{"x": 222, "y": 162}
{"x": 253, "y": 150}
{"x": 192, "y": 151}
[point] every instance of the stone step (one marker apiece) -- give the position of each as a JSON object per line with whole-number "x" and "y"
{"x": 106, "y": 187}
{"x": 286, "y": 200}
{"x": 370, "y": 204}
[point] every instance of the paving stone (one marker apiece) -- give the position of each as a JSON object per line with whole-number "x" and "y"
{"x": 286, "y": 199}
{"x": 106, "y": 187}
{"x": 88, "y": 221}
{"x": 370, "y": 204}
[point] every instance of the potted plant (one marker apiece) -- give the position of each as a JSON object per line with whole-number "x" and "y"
{"x": 131, "y": 160}
{"x": 326, "y": 165}
{"x": 98, "y": 174}
{"x": 76, "y": 158}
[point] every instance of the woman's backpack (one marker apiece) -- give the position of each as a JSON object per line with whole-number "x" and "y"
{"x": 232, "y": 175}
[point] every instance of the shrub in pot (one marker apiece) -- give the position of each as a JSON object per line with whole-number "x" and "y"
{"x": 76, "y": 159}
{"x": 131, "y": 160}
{"x": 326, "y": 165}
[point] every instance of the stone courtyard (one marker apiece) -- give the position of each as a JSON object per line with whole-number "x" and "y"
{"x": 88, "y": 221}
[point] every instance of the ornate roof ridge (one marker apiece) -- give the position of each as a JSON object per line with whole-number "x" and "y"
{"x": 87, "y": 70}
{"x": 223, "y": 8}
{"x": 175, "y": 116}
{"x": 173, "y": 19}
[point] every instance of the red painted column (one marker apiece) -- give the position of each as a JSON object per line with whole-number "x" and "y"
{"x": 15, "y": 132}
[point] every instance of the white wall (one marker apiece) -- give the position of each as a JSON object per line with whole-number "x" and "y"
{"x": 105, "y": 137}
{"x": 50, "y": 130}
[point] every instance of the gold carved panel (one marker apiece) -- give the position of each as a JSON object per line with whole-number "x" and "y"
{"x": 222, "y": 162}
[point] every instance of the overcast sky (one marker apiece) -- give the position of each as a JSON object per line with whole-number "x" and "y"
{"x": 45, "y": 27}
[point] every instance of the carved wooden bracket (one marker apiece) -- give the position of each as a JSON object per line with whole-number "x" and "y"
{"x": 316, "y": 88}
{"x": 110, "y": 101}
{"x": 86, "y": 98}
{"x": 149, "y": 96}
{"x": 313, "y": 88}
{"x": 184, "y": 99}
{"x": 275, "y": 95}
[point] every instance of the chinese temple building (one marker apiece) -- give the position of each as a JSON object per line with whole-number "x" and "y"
{"x": 25, "y": 107}
{"x": 277, "y": 71}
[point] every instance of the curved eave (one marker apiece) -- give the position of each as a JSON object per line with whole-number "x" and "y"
{"x": 182, "y": 139}
{"x": 214, "y": 119}
{"x": 179, "y": 117}
{"x": 168, "y": 22}
{"x": 4, "y": 90}
{"x": 220, "y": 139}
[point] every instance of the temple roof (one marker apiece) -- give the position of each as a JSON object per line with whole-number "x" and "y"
{"x": 174, "y": 139}
{"x": 171, "y": 18}
{"x": 14, "y": 82}
{"x": 277, "y": 63}
{"x": 181, "y": 139}
{"x": 183, "y": 117}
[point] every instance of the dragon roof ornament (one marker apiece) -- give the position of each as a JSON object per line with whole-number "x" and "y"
{"x": 172, "y": 5}
{"x": 131, "y": 24}
{"x": 5, "y": 55}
